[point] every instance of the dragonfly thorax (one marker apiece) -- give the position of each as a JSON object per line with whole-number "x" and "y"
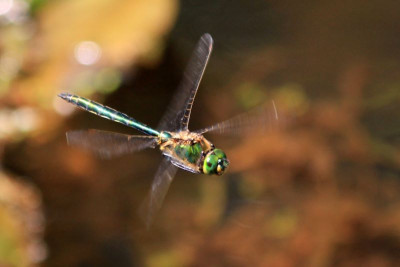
{"x": 193, "y": 152}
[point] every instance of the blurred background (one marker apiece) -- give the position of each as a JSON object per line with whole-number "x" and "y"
{"x": 323, "y": 190}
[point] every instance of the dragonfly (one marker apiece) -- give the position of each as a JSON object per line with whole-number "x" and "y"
{"x": 180, "y": 147}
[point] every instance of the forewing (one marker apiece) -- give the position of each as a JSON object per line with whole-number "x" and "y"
{"x": 178, "y": 113}
{"x": 159, "y": 188}
{"x": 263, "y": 118}
{"x": 109, "y": 144}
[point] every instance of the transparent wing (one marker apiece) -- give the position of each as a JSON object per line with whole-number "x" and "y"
{"x": 109, "y": 144}
{"x": 181, "y": 163}
{"x": 184, "y": 166}
{"x": 263, "y": 118}
{"x": 178, "y": 113}
{"x": 159, "y": 188}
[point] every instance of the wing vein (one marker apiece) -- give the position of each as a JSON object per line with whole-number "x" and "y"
{"x": 178, "y": 112}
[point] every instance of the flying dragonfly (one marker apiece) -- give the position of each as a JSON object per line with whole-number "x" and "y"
{"x": 180, "y": 148}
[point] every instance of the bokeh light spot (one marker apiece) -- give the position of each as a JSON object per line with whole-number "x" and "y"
{"x": 87, "y": 52}
{"x": 5, "y": 6}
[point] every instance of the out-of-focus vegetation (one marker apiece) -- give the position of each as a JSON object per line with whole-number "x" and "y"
{"x": 21, "y": 224}
{"x": 322, "y": 190}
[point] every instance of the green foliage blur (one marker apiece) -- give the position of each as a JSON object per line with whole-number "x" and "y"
{"x": 320, "y": 189}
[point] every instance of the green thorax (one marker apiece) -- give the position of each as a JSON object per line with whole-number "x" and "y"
{"x": 192, "y": 152}
{"x": 186, "y": 149}
{"x": 189, "y": 152}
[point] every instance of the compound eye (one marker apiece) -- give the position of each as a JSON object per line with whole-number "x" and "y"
{"x": 215, "y": 162}
{"x": 210, "y": 164}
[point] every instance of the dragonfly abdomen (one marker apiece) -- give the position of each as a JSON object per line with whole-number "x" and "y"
{"x": 108, "y": 113}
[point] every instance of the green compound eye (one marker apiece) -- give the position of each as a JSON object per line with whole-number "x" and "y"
{"x": 215, "y": 162}
{"x": 210, "y": 164}
{"x": 219, "y": 153}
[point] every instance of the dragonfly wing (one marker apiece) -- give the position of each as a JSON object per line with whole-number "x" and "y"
{"x": 178, "y": 113}
{"x": 263, "y": 118}
{"x": 183, "y": 165}
{"x": 159, "y": 188}
{"x": 109, "y": 144}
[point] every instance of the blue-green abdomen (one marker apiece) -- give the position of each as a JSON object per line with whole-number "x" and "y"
{"x": 108, "y": 113}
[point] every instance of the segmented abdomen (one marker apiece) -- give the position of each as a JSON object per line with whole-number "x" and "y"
{"x": 107, "y": 112}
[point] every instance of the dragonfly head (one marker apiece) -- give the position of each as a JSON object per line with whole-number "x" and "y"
{"x": 215, "y": 162}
